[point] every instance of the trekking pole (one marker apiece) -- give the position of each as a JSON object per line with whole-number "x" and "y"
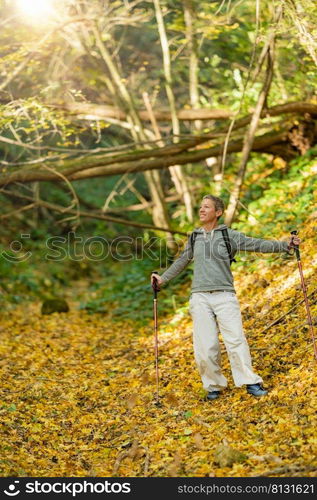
{"x": 310, "y": 322}
{"x": 156, "y": 289}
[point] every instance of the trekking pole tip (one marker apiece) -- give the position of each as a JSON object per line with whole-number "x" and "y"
{"x": 158, "y": 403}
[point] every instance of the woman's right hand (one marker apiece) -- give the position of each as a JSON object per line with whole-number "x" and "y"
{"x": 158, "y": 278}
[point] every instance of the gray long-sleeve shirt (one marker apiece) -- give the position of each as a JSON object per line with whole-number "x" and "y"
{"x": 211, "y": 259}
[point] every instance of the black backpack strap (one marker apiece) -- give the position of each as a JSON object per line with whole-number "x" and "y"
{"x": 192, "y": 240}
{"x": 228, "y": 244}
{"x": 225, "y": 237}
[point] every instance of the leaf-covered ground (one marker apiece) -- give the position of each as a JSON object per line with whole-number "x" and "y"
{"x": 78, "y": 390}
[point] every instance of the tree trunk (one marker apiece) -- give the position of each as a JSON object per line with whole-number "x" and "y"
{"x": 216, "y": 173}
{"x": 268, "y": 54}
{"x": 160, "y": 215}
{"x": 190, "y": 16}
{"x": 178, "y": 175}
{"x": 250, "y": 136}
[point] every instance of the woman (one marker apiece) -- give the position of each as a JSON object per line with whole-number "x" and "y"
{"x": 213, "y": 302}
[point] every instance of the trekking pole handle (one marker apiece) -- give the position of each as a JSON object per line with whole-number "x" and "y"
{"x": 296, "y": 247}
{"x": 155, "y": 286}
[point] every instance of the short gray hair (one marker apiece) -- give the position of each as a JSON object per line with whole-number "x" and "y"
{"x": 219, "y": 204}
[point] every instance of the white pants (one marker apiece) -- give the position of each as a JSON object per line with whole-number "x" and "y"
{"x": 212, "y": 312}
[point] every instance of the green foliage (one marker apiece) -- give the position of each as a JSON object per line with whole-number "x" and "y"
{"x": 127, "y": 292}
{"x": 285, "y": 201}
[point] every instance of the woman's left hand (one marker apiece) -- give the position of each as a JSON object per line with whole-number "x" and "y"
{"x": 294, "y": 241}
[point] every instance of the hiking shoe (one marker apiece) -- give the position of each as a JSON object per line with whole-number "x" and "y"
{"x": 256, "y": 390}
{"x": 213, "y": 395}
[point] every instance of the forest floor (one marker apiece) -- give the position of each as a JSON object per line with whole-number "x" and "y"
{"x": 78, "y": 390}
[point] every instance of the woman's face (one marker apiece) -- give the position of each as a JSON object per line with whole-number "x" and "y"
{"x": 207, "y": 211}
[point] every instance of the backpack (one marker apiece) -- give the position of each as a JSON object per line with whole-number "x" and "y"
{"x": 225, "y": 237}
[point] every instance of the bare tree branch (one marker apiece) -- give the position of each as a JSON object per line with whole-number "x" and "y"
{"x": 22, "y": 209}
{"x": 91, "y": 215}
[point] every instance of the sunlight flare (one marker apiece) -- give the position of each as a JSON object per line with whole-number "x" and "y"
{"x": 36, "y": 11}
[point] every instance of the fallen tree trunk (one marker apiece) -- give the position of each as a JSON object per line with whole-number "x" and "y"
{"x": 106, "y": 167}
{"x": 285, "y": 143}
{"x": 91, "y": 111}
